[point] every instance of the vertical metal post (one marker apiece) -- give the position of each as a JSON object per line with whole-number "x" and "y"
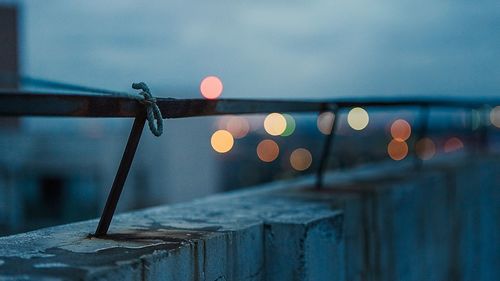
{"x": 424, "y": 122}
{"x": 326, "y": 147}
{"x": 121, "y": 175}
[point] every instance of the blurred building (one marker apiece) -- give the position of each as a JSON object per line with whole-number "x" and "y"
{"x": 64, "y": 171}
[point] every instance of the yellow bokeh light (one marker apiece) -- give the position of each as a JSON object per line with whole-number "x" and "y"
{"x": 495, "y": 116}
{"x": 268, "y": 150}
{"x": 358, "y": 118}
{"x": 301, "y": 159}
{"x": 400, "y": 130}
{"x": 222, "y": 141}
{"x": 397, "y": 150}
{"x": 324, "y": 122}
{"x": 275, "y": 124}
{"x": 453, "y": 144}
{"x": 425, "y": 149}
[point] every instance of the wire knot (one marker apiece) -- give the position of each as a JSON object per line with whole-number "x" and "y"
{"x": 152, "y": 111}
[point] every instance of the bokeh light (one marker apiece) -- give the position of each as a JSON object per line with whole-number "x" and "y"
{"x": 358, "y": 118}
{"x": 400, "y": 130}
{"x": 325, "y": 121}
{"x": 425, "y": 148}
{"x": 453, "y": 144}
{"x": 237, "y": 126}
{"x": 221, "y": 123}
{"x": 268, "y": 150}
{"x": 211, "y": 87}
{"x": 222, "y": 141}
{"x": 301, "y": 159}
{"x": 290, "y": 125}
{"x": 495, "y": 116}
{"x": 275, "y": 124}
{"x": 397, "y": 150}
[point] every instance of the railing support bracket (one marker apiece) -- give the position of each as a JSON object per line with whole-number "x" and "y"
{"x": 121, "y": 175}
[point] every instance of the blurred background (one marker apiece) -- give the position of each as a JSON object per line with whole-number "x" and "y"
{"x": 57, "y": 170}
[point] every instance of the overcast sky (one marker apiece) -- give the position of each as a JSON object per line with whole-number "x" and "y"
{"x": 299, "y": 49}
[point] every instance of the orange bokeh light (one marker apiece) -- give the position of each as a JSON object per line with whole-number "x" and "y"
{"x": 301, "y": 159}
{"x": 453, "y": 144}
{"x": 425, "y": 149}
{"x": 400, "y": 130}
{"x": 268, "y": 150}
{"x": 211, "y": 87}
{"x": 397, "y": 150}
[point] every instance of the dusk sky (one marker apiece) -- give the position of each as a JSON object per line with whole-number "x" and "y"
{"x": 278, "y": 49}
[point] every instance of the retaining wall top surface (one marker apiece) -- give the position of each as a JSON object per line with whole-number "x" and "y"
{"x": 68, "y": 251}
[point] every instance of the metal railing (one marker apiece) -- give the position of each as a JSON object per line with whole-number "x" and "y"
{"x": 23, "y": 103}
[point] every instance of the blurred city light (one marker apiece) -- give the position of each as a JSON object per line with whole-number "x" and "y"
{"x": 290, "y": 125}
{"x": 495, "y": 116}
{"x": 400, "y": 130}
{"x": 211, "y": 87}
{"x": 325, "y": 121}
{"x": 222, "y": 141}
{"x": 238, "y": 126}
{"x": 275, "y": 124}
{"x": 425, "y": 149}
{"x": 301, "y": 159}
{"x": 268, "y": 150}
{"x": 453, "y": 144}
{"x": 358, "y": 118}
{"x": 397, "y": 150}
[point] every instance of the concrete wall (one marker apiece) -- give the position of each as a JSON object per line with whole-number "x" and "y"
{"x": 375, "y": 223}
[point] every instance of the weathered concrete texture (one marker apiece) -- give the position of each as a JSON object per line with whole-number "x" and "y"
{"x": 437, "y": 224}
{"x": 305, "y": 251}
{"x": 218, "y": 238}
{"x": 440, "y": 223}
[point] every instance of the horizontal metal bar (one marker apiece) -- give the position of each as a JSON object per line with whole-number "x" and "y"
{"x": 79, "y": 105}
{"x": 71, "y": 105}
{"x": 201, "y": 107}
